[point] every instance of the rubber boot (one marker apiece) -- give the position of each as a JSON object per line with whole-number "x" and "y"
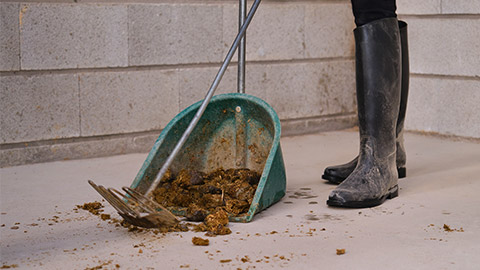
{"x": 378, "y": 76}
{"x": 336, "y": 174}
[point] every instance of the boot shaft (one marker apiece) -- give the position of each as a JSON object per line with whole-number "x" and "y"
{"x": 378, "y": 76}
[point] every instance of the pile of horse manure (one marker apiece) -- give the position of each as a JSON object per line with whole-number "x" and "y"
{"x": 199, "y": 194}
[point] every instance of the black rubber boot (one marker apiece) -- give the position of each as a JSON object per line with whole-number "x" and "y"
{"x": 336, "y": 174}
{"x": 378, "y": 75}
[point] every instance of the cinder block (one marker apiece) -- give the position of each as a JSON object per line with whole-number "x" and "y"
{"x": 38, "y": 107}
{"x": 311, "y": 89}
{"x": 276, "y": 32}
{"x": 73, "y": 36}
{"x": 460, "y": 7}
{"x": 318, "y": 124}
{"x": 415, "y": 7}
{"x": 175, "y": 33}
{"x": 331, "y": 123}
{"x": 329, "y": 30}
{"x": 195, "y": 82}
{"x": 445, "y": 106}
{"x": 9, "y": 37}
{"x": 294, "y": 90}
{"x": 79, "y": 149}
{"x": 438, "y": 47}
{"x": 293, "y": 127}
{"x": 131, "y": 101}
{"x": 256, "y": 79}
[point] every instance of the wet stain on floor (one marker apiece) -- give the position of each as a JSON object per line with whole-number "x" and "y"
{"x": 313, "y": 217}
{"x": 303, "y": 193}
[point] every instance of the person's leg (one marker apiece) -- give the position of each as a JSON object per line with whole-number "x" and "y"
{"x": 337, "y": 173}
{"x": 378, "y": 78}
{"x": 366, "y": 11}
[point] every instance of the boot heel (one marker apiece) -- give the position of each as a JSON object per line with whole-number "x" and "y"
{"x": 393, "y": 192}
{"x": 402, "y": 172}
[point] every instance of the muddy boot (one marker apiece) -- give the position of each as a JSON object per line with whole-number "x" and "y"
{"x": 336, "y": 174}
{"x": 378, "y": 76}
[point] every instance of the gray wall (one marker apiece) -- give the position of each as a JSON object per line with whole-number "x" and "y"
{"x": 445, "y": 66}
{"x": 91, "y": 79}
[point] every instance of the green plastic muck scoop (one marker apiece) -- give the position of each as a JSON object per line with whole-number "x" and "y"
{"x": 235, "y": 131}
{"x": 226, "y": 131}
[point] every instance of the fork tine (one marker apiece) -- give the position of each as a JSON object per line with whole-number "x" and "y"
{"x": 105, "y": 194}
{"x": 147, "y": 202}
{"x": 113, "y": 199}
{"x": 128, "y": 208}
{"x": 139, "y": 199}
{"x": 144, "y": 199}
{"x": 127, "y": 205}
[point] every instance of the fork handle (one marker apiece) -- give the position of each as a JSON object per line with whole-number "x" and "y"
{"x": 205, "y": 102}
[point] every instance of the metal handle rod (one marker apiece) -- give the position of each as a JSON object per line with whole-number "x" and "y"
{"x": 242, "y": 12}
{"x": 205, "y": 102}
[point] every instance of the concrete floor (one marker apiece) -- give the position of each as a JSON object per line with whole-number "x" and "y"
{"x": 442, "y": 187}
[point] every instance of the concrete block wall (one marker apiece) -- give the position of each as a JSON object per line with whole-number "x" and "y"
{"x": 444, "y": 38}
{"x": 92, "y": 78}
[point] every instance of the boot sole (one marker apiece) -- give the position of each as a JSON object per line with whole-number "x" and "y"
{"x": 402, "y": 173}
{"x": 392, "y": 193}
